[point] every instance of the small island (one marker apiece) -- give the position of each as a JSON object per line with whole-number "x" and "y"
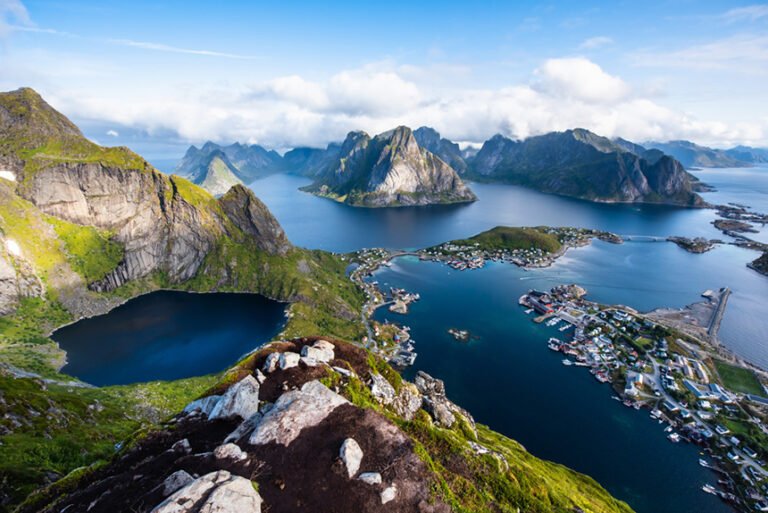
{"x": 732, "y": 225}
{"x": 694, "y": 245}
{"x": 760, "y": 264}
{"x": 528, "y": 247}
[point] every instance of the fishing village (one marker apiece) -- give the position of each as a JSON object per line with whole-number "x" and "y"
{"x": 667, "y": 361}
{"x": 683, "y": 380}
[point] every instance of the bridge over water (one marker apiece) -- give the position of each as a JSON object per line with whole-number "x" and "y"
{"x": 643, "y": 238}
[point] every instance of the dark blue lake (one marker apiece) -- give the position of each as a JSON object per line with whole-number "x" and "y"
{"x": 168, "y": 335}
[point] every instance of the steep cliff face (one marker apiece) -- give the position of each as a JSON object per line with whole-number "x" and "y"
{"x": 582, "y": 164}
{"x": 165, "y": 224}
{"x": 390, "y": 169}
{"x": 448, "y": 151}
{"x": 254, "y": 218}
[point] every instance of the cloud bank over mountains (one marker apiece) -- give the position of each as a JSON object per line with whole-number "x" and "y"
{"x": 291, "y": 110}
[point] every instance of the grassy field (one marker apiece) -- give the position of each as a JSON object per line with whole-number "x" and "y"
{"x": 739, "y": 379}
{"x": 509, "y": 238}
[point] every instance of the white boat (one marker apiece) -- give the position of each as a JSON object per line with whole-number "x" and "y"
{"x": 567, "y": 362}
{"x": 709, "y": 489}
{"x": 674, "y": 437}
{"x": 529, "y": 311}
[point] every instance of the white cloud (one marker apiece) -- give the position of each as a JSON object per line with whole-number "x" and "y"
{"x": 748, "y": 13}
{"x": 744, "y": 53}
{"x": 595, "y": 42}
{"x": 12, "y": 12}
{"x": 293, "y": 110}
{"x": 113, "y": 133}
{"x": 146, "y": 45}
{"x": 581, "y": 79}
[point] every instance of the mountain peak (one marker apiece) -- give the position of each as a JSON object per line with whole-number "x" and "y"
{"x": 24, "y": 113}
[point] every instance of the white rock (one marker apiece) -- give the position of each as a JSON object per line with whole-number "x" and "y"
{"x": 182, "y": 446}
{"x": 381, "y": 389}
{"x": 219, "y": 492}
{"x": 240, "y": 400}
{"x": 270, "y": 364}
{"x": 371, "y": 478}
{"x": 260, "y": 377}
{"x": 309, "y": 361}
{"x": 321, "y": 355}
{"x": 186, "y": 497}
{"x": 8, "y": 175}
{"x": 289, "y": 360}
{"x": 294, "y": 411}
{"x": 235, "y": 496}
{"x": 229, "y": 451}
{"x": 204, "y": 405}
{"x": 388, "y": 494}
{"x": 351, "y": 454}
{"x": 326, "y": 348}
{"x": 175, "y": 481}
{"x": 245, "y": 427}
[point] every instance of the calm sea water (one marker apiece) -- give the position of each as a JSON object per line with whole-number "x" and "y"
{"x": 168, "y": 335}
{"x": 510, "y": 381}
{"x": 319, "y": 223}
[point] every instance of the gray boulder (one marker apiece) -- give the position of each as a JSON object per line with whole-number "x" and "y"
{"x": 371, "y": 478}
{"x": 204, "y": 405}
{"x": 270, "y": 364}
{"x": 229, "y": 451}
{"x": 288, "y": 360}
{"x": 240, "y": 400}
{"x": 389, "y": 494}
{"x": 294, "y": 411}
{"x": 175, "y": 481}
{"x": 407, "y": 402}
{"x": 219, "y": 492}
{"x": 381, "y": 389}
{"x": 352, "y": 455}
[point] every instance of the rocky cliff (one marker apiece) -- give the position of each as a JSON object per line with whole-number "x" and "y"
{"x": 450, "y": 153}
{"x": 164, "y": 224}
{"x": 311, "y": 425}
{"x": 582, "y": 164}
{"x": 390, "y": 169}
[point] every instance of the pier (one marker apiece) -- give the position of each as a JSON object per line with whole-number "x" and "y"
{"x": 717, "y": 315}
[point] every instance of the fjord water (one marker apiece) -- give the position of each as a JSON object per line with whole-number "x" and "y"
{"x": 319, "y": 223}
{"x": 510, "y": 381}
{"x": 168, "y": 335}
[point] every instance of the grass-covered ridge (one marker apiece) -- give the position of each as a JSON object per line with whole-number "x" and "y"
{"x": 509, "y": 238}
{"x": 91, "y": 252}
{"x": 40, "y": 136}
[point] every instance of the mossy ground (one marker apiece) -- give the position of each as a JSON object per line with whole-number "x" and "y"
{"x": 91, "y": 252}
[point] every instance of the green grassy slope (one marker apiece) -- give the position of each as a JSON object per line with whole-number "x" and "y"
{"x": 509, "y": 238}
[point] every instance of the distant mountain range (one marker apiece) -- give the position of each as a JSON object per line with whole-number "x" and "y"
{"x": 422, "y": 167}
{"x": 217, "y": 168}
{"x": 692, "y": 155}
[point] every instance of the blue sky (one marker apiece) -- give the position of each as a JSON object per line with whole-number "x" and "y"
{"x": 160, "y": 75}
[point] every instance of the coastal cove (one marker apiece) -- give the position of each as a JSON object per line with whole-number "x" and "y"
{"x": 510, "y": 380}
{"x": 168, "y": 335}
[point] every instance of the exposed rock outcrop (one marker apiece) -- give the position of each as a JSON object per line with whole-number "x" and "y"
{"x": 165, "y": 224}
{"x": 390, "y": 169}
{"x": 310, "y": 448}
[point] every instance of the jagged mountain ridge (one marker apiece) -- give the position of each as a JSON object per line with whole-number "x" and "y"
{"x": 582, "y": 164}
{"x": 692, "y": 155}
{"x": 390, "y": 169}
{"x": 213, "y": 166}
